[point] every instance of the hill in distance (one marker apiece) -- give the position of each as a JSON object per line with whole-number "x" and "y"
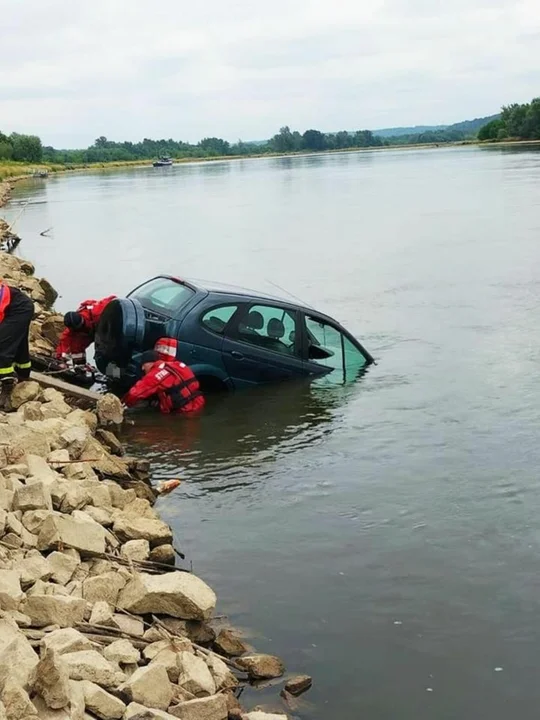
{"x": 467, "y": 126}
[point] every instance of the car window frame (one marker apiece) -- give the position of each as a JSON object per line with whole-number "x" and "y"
{"x": 211, "y": 308}
{"x": 319, "y": 317}
{"x": 234, "y": 334}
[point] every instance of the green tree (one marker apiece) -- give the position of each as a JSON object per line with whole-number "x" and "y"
{"x": 283, "y": 141}
{"x": 314, "y": 140}
{"x": 26, "y": 147}
{"x": 491, "y": 130}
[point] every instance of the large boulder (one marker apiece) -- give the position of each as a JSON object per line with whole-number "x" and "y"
{"x": 195, "y": 677}
{"x": 261, "y": 667}
{"x": 34, "y": 567}
{"x": 178, "y": 594}
{"x": 62, "y": 610}
{"x": 208, "y": 708}
{"x": 149, "y": 686}
{"x": 49, "y": 293}
{"x": 59, "y": 530}
{"x": 140, "y": 528}
{"x": 298, "y": 684}
{"x": 51, "y": 680}
{"x": 90, "y": 665}
{"x": 136, "y": 711}
{"x": 223, "y": 677}
{"x": 52, "y": 328}
{"x": 138, "y": 550}
{"x": 102, "y": 703}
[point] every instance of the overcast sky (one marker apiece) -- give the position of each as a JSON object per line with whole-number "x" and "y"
{"x": 71, "y": 70}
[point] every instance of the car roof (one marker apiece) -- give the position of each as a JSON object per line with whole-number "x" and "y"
{"x": 229, "y": 289}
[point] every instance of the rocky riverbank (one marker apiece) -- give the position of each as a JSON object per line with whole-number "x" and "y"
{"x": 95, "y": 620}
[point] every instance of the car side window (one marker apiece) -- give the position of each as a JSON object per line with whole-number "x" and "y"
{"x": 269, "y": 327}
{"x": 216, "y": 318}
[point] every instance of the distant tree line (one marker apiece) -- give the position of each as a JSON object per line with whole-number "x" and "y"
{"x": 519, "y": 122}
{"x": 26, "y": 148}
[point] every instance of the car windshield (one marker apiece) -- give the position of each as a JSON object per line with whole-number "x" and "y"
{"x": 163, "y": 296}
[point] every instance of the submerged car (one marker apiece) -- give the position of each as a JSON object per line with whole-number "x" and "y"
{"x": 232, "y": 338}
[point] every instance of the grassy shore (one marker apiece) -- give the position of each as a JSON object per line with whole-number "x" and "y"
{"x": 10, "y": 170}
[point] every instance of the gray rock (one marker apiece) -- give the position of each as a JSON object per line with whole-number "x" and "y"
{"x": 33, "y": 520}
{"x": 136, "y": 550}
{"x": 68, "y": 531}
{"x": 34, "y": 567}
{"x": 109, "y": 410}
{"x": 32, "y": 497}
{"x": 90, "y": 665}
{"x": 163, "y": 554}
{"x": 63, "y": 566}
{"x": 122, "y": 652}
{"x": 262, "y": 667}
{"x": 17, "y": 657}
{"x": 25, "y": 392}
{"x": 103, "y": 587}
{"x": 17, "y": 702}
{"x": 11, "y": 594}
{"x": 132, "y": 625}
{"x": 100, "y": 515}
{"x": 67, "y": 640}
{"x": 298, "y": 685}
{"x": 178, "y": 594}
{"x": 102, "y": 703}
{"x": 195, "y": 677}
{"x": 223, "y": 677}
{"x": 102, "y": 614}
{"x": 149, "y": 686}
{"x": 64, "y": 611}
{"x": 228, "y": 643}
{"x": 51, "y": 680}
{"x": 134, "y": 528}
{"x": 136, "y": 711}
{"x": 208, "y": 708}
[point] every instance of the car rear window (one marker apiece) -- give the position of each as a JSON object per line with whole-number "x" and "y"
{"x": 163, "y": 296}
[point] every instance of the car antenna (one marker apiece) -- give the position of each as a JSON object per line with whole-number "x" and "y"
{"x": 289, "y": 293}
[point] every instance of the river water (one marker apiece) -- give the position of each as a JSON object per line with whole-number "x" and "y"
{"x": 383, "y": 537}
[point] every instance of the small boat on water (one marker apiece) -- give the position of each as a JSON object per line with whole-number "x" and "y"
{"x": 41, "y": 173}
{"x": 162, "y": 162}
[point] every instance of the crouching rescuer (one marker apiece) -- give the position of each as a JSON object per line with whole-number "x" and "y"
{"x": 170, "y": 382}
{"x": 16, "y": 313}
{"x": 80, "y": 330}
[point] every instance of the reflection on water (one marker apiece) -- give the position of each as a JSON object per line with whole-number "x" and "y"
{"x": 239, "y": 435}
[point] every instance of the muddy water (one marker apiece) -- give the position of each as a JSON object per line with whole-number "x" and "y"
{"x": 383, "y": 537}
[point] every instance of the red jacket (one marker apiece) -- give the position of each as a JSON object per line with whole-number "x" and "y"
{"x": 75, "y": 342}
{"x": 5, "y": 299}
{"x": 174, "y": 385}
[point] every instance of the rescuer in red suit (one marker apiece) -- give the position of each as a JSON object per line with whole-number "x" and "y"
{"x": 171, "y": 382}
{"x": 80, "y": 330}
{"x": 16, "y": 312}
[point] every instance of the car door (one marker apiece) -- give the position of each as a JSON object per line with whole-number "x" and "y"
{"x": 263, "y": 345}
{"x": 331, "y": 352}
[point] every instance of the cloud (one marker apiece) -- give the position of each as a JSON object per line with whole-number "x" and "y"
{"x": 128, "y": 68}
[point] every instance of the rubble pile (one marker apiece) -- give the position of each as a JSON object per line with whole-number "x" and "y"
{"x": 95, "y": 619}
